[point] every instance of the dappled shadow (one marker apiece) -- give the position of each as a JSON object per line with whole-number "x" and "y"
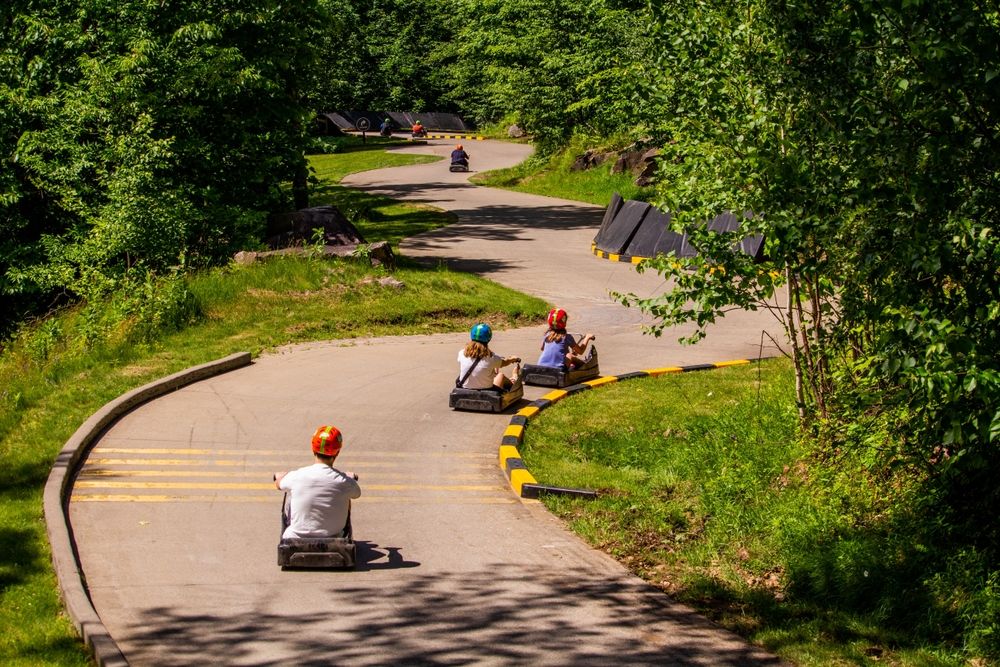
{"x": 480, "y": 266}
{"x": 449, "y": 619}
{"x": 506, "y": 223}
{"x": 19, "y": 555}
{"x": 21, "y": 480}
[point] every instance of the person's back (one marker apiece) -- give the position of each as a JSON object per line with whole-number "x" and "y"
{"x": 459, "y": 156}
{"x": 320, "y": 498}
{"x": 319, "y": 494}
{"x": 555, "y": 346}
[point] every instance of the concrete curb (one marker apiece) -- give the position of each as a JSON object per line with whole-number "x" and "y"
{"x": 72, "y": 586}
{"x": 521, "y": 480}
{"x": 467, "y": 137}
{"x": 629, "y": 259}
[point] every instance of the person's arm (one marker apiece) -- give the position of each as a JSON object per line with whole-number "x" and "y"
{"x": 579, "y": 348}
{"x": 277, "y": 477}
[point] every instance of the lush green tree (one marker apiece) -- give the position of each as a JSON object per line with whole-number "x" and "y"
{"x": 863, "y": 137}
{"x": 558, "y": 67}
{"x": 140, "y": 136}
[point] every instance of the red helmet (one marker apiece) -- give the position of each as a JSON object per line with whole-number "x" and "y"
{"x": 327, "y": 441}
{"x": 557, "y": 318}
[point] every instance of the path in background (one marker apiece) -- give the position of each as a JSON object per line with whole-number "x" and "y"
{"x": 176, "y": 519}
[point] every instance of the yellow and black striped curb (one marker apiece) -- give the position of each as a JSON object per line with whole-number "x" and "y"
{"x": 467, "y": 137}
{"x": 615, "y": 257}
{"x": 520, "y": 478}
{"x": 59, "y": 485}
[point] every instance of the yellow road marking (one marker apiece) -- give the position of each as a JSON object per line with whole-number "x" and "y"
{"x": 529, "y": 411}
{"x": 597, "y": 382}
{"x": 272, "y": 452}
{"x": 276, "y": 498}
{"x": 109, "y": 484}
{"x": 362, "y": 464}
{"x": 103, "y": 472}
{"x": 736, "y": 362}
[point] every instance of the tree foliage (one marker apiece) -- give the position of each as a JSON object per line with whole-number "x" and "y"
{"x": 558, "y": 67}
{"x": 139, "y": 136}
{"x": 863, "y": 138}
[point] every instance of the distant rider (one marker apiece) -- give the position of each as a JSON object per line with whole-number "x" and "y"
{"x": 385, "y": 129}
{"x": 320, "y": 494}
{"x": 459, "y": 156}
{"x": 418, "y": 129}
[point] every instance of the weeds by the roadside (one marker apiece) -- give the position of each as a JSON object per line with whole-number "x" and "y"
{"x": 553, "y": 176}
{"x": 708, "y": 492}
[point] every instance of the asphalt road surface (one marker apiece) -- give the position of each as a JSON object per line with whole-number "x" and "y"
{"x": 176, "y": 520}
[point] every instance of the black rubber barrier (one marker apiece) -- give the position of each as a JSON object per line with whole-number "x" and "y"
{"x": 632, "y": 231}
{"x": 401, "y": 120}
{"x": 617, "y": 234}
{"x": 654, "y": 225}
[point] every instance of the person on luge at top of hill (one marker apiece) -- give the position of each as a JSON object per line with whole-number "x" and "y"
{"x": 479, "y": 367}
{"x": 459, "y": 156}
{"x": 560, "y": 349}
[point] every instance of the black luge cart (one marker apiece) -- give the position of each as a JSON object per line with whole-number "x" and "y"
{"x": 316, "y": 552}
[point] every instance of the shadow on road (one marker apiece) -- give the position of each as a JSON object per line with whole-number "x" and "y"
{"x": 370, "y": 557}
{"x": 450, "y": 619}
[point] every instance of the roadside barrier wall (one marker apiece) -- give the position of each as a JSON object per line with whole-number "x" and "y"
{"x": 633, "y": 230}
{"x": 402, "y": 120}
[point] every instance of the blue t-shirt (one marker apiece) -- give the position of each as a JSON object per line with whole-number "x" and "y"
{"x": 459, "y": 156}
{"x": 554, "y": 354}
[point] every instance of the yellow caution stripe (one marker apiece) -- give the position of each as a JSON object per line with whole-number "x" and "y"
{"x": 616, "y": 257}
{"x": 521, "y": 480}
{"x": 467, "y": 137}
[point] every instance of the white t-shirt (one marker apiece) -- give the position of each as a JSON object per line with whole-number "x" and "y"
{"x": 482, "y": 376}
{"x": 320, "y": 500}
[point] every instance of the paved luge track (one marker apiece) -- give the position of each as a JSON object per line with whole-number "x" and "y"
{"x": 176, "y": 522}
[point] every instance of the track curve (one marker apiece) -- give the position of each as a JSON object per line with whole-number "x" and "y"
{"x": 176, "y": 525}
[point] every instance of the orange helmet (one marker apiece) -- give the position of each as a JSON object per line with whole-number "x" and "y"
{"x": 458, "y": 147}
{"x": 327, "y": 441}
{"x": 557, "y": 319}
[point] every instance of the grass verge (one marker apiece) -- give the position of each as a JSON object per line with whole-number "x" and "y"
{"x": 61, "y": 370}
{"x": 553, "y": 177}
{"x": 376, "y": 217}
{"x": 708, "y": 492}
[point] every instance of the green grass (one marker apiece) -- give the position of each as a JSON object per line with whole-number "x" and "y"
{"x": 375, "y": 216}
{"x": 63, "y": 369}
{"x": 552, "y": 177}
{"x": 708, "y": 493}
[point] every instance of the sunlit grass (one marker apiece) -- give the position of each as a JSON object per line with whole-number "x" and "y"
{"x": 707, "y": 491}
{"x": 552, "y": 177}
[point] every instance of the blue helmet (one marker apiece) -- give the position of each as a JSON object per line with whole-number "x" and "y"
{"x": 481, "y": 333}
